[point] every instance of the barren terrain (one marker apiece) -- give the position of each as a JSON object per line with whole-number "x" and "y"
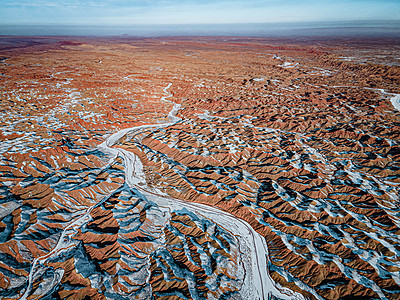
{"x": 199, "y": 168}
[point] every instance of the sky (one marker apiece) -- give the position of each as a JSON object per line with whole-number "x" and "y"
{"x": 128, "y": 12}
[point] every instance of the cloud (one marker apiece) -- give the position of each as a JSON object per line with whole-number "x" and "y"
{"x": 55, "y": 4}
{"x": 28, "y": 4}
{"x": 125, "y": 12}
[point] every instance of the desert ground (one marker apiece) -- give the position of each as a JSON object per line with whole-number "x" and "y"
{"x": 199, "y": 168}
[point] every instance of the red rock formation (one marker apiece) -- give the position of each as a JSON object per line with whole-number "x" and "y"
{"x": 284, "y": 134}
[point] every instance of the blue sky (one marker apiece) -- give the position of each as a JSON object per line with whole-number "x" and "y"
{"x": 126, "y": 12}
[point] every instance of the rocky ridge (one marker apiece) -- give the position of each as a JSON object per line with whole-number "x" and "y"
{"x": 295, "y": 141}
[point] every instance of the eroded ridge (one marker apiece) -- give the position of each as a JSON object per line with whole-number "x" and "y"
{"x": 279, "y": 176}
{"x": 123, "y": 252}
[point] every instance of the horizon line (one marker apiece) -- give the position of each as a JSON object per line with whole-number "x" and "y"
{"x": 202, "y": 24}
